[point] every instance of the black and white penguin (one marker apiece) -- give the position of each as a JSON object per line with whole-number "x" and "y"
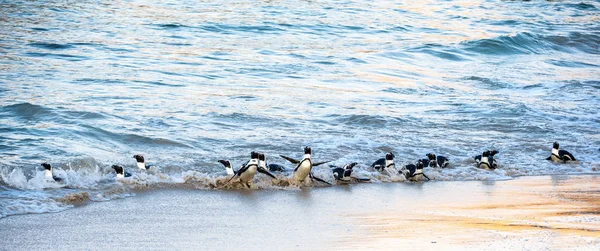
{"x": 275, "y": 168}
{"x": 121, "y": 172}
{"x": 304, "y": 167}
{"x": 247, "y": 172}
{"x": 437, "y": 161}
{"x": 262, "y": 166}
{"x": 228, "y": 167}
{"x": 483, "y": 160}
{"x": 49, "y": 174}
{"x": 343, "y": 174}
{"x": 384, "y": 163}
{"x": 141, "y": 164}
{"x": 414, "y": 172}
{"x": 560, "y": 155}
{"x": 492, "y": 160}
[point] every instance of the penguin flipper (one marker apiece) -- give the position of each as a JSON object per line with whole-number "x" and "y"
{"x": 57, "y": 179}
{"x": 293, "y": 161}
{"x": 361, "y": 179}
{"x": 320, "y": 163}
{"x": 319, "y": 179}
{"x": 126, "y": 174}
{"x": 243, "y": 169}
{"x": 264, "y": 171}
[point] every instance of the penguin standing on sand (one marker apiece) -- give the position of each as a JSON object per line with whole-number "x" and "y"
{"x": 560, "y": 155}
{"x": 437, "y": 161}
{"x": 49, "y": 174}
{"x": 247, "y": 172}
{"x": 384, "y": 163}
{"x": 121, "y": 173}
{"x": 304, "y": 167}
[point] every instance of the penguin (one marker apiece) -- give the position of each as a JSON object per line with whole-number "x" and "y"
{"x": 247, "y": 172}
{"x": 121, "y": 172}
{"x": 493, "y": 160}
{"x": 228, "y": 167}
{"x": 414, "y": 172}
{"x": 262, "y": 166}
{"x": 275, "y": 168}
{"x": 49, "y": 174}
{"x": 382, "y": 163}
{"x": 491, "y": 163}
{"x": 483, "y": 160}
{"x": 304, "y": 167}
{"x": 437, "y": 161}
{"x": 560, "y": 155}
{"x": 141, "y": 164}
{"x": 342, "y": 174}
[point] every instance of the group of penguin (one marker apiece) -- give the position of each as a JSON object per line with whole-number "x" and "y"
{"x": 257, "y": 163}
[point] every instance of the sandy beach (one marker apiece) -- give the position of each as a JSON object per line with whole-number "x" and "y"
{"x": 528, "y": 213}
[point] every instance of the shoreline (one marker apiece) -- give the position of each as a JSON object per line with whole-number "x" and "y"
{"x": 559, "y": 212}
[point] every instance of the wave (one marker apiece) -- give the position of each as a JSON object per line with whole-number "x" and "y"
{"x": 529, "y": 43}
{"x": 20, "y": 194}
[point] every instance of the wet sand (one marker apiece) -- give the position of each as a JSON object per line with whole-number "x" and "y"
{"x": 528, "y": 213}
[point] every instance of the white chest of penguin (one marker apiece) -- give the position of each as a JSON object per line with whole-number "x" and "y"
{"x": 249, "y": 174}
{"x": 303, "y": 170}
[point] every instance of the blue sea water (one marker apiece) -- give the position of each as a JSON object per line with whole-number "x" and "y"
{"x": 87, "y": 84}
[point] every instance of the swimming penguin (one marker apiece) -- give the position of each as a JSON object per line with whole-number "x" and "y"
{"x": 262, "y": 166}
{"x": 414, "y": 172}
{"x": 121, "y": 172}
{"x": 382, "y": 163}
{"x": 560, "y": 155}
{"x": 228, "y": 167}
{"x": 343, "y": 174}
{"x": 483, "y": 160}
{"x": 437, "y": 161}
{"x": 304, "y": 167}
{"x": 492, "y": 160}
{"x": 275, "y": 168}
{"x": 49, "y": 174}
{"x": 141, "y": 164}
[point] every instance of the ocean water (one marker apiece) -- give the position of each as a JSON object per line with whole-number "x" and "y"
{"x": 86, "y": 84}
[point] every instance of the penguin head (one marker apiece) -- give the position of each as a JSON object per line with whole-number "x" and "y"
{"x": 431, "y": 156}
{"x": 389, "y": 156}
{"x": 350, "y": 166}
{"x": 254, "y": 155}
{"x": 486, "y": 154}
{"x": 261, "y": 156}
{"x": 47, "y": 166}
{"x": 494, "y": 152}
{"x": 225, "y": 162}
{"x": 139, "y": 158}
{"x": 419, "y": 164}
{"x": 118, "y": 169}
{"x": 555, "y": 145}
{"x": 307, "y": 150}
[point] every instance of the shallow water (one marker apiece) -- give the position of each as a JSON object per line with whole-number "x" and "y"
{"x": 85, "y": 85}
